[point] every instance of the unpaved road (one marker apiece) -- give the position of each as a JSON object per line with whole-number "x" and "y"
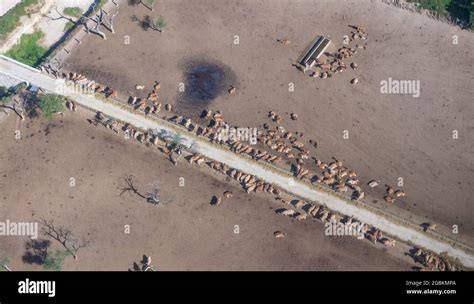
{"x": 246, "y": 165}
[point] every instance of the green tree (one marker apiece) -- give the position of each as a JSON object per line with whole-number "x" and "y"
{"x": 4, "y": 95}
{"x": 463, "y": 10}
{"x": 160, "y": 23}
{"x": 73, "y": 11}
{"x": 438, "y": 6}
{"x": 50, "y": 104}
{"x": 28, "y": 51}
{"x": 69, "y": 25}
{"x": 54, "y": 261}
{"x": 460, "y": 9}
{"x": 4, "y": 263}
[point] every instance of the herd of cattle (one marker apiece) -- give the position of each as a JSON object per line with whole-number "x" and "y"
{"x": 431, "y": 261}
{"x": 301, "y": 210}
{"x": 298, "y": 209}
{"x": 334, "y": 62}
{"x": 276, "y": 145}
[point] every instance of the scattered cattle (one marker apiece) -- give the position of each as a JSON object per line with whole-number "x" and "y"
{"x": 228, "y": 194}
{"x": 279, "y": 234}
{"x": 373, "y": 183}
{"x": 284, "y": 41}
{"x": 216, "y": 201}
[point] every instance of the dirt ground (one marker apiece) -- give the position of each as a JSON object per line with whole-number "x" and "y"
{"x": 186, "y": 234}
{"x": 390, "y": 135}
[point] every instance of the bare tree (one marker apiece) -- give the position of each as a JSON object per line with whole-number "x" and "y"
{"x": 152, "y": 196}
{"x": 148, "y": 4}
{"x": 62, "y": 16}
{"x": 98, "y": 22}
{"x": 64, "y": 236}
{"x": 130, "y": 187}
{"x": 108, "y": 21}
{"x": 102, "y": 18}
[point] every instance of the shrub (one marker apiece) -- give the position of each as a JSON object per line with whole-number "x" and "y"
{"x": 73, "y": 11}
{"x": 54, "y": 261}
{"x": 28, "y": 51}
{"x": 69, "y": 25}
{"x": 50, "y": 104}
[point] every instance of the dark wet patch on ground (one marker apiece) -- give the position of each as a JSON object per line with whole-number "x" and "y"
{"x": 204, "y": 81}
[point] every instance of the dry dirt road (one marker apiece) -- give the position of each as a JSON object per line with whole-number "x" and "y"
{"x": 282, "y": 180}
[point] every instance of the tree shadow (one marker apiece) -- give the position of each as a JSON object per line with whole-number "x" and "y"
{"x": 135, "y": 267}
{"x": 145, "y": 23}
{"x": 36, "y": 251}
{"x": 30, "y": 104}
{"x": 133, "y": 2}
{"x": 463, "y": 10}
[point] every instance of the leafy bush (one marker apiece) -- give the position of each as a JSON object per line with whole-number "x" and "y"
{"x": 50, "y": 104}
{"x": 73, "y": 11}
{"x": 160, "y": 23}
{"x": 54, "y": 261}
{"x": 28, "y": 51}
{"x": 69, "y": 25}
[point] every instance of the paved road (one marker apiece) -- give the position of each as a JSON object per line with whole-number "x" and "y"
{"x": 211, "y": 151}
{"x": 7, "y": 5}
